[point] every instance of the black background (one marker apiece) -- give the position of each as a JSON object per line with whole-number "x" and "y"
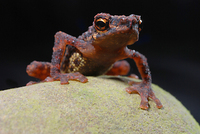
{"x": 169, "y": 39}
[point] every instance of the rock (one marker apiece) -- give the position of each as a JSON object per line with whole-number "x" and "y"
{"x": 98, "y": 106}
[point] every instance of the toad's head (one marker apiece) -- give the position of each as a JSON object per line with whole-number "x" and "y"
{"x": 116, "y": 31}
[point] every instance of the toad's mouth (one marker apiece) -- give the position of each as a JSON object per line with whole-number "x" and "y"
{"x": 130, "y": 35}
{"x": 135, "y": 34}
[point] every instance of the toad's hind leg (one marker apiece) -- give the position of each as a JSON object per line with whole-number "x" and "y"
{"x": 40, "y": 70}
{"x": 121, "y": 68}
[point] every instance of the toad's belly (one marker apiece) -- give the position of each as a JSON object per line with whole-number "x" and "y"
{"x": 85, "y": 66}
{"x": 73, "y": 61}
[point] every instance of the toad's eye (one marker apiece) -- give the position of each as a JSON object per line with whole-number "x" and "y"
{"x": 101, "y": 24}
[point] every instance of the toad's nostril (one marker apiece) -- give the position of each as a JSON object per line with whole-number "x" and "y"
{"x": 134, "y": 20}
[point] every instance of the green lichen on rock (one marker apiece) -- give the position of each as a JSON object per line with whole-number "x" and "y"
{"x": 98, "y": 106}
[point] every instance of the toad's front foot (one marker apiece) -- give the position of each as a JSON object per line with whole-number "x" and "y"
{"x": 64, "y": 78}
{"x": 145, "y": 92}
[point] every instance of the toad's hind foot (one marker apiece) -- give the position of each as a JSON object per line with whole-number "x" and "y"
{"x": 145, "y": 92}
{"x": 31, "y": 83}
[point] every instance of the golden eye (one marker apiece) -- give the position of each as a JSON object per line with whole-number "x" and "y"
{"x": 101, "y": 24}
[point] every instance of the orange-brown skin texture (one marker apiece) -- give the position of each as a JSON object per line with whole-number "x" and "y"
{"x": 97, "y": 52}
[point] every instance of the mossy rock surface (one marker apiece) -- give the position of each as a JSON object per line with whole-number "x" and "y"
{"x": 98, "y": 106}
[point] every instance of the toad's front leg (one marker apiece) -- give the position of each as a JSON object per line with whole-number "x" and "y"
{"x": 61, "y": 40}
{"x": 144, "y": 88}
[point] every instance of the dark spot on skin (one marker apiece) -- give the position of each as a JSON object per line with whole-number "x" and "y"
{"x": 147, "y": 79}
{"x": 146, "y": 71}
{"x": 76, "y": 62}
{"x": 71, "y": 69}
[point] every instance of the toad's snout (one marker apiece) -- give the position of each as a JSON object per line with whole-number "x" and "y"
{"x": 132, "y": 21}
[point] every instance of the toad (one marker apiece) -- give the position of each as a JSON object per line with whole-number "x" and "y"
{"x": 100, "y": 50}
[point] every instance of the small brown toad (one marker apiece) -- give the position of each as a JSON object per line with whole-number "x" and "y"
{"x": 97, "y": 52}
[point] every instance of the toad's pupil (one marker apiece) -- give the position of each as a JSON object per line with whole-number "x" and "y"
{"x": 100, "y": 24}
